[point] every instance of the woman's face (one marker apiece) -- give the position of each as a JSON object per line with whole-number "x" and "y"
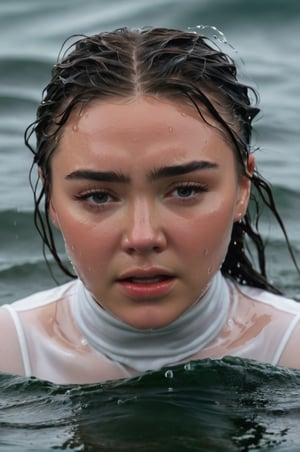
{"x": 145, "y": 194}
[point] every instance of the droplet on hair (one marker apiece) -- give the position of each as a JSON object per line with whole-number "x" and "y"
{"x": 235, "y": 243}
{"x": 238, "y": 264}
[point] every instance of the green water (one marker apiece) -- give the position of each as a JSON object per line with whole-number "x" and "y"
{"x": 224, "y": 405}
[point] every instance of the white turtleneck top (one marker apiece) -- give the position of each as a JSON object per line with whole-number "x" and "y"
{"x": 63, "y": 335}
{"x": 144, "y": 350}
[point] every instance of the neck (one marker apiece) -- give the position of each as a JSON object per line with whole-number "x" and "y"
{"x": 144, "y": 350}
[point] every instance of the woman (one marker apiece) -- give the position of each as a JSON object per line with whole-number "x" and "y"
{"x": 143, "y": 150}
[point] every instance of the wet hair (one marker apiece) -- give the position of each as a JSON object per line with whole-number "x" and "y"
{"x": 166, "y": 63}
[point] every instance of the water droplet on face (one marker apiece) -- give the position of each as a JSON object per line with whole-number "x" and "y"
{"x": 205, "y": 252}
{"x": 75, "y": 128}
{"x": 209, "y": 270}
{"x": 170, "y": 129}
{"x": 169, "y": 374}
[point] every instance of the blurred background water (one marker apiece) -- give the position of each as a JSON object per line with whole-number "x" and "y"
{"x": 227, "y": 405}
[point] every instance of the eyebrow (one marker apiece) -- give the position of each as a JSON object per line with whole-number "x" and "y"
{"x": 177, "y": 170}
{"x": 159, "y": 173}
{"x": 101, "y": 176}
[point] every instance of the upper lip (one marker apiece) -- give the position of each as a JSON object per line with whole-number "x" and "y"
{"x": 145, "y": 273}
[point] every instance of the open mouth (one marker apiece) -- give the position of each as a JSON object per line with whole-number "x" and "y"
{"x": 147, "y": 280}
{"x": 154, "y": 285}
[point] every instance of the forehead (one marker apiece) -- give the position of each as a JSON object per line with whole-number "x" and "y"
{"x": 141, "y": 126}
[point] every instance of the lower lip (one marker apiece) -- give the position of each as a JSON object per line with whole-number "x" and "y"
{"x": 151, "y": 290}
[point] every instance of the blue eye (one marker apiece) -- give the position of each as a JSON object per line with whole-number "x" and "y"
{"x": 184, "y": 192}
{"x": 188, "y": 190}
{"x": 98, "y": 197}
{"x": 95, "y": 198}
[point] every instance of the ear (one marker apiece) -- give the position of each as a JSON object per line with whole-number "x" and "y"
{"x": 244, "y": 190}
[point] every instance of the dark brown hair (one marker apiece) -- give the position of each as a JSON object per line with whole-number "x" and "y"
{"x": 166, "y": 63}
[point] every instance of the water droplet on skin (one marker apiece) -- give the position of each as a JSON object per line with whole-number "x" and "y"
{"x": 170, "y": 129}
{"x": 205, "y": 252}
{"x": 75, "y": 128}
{"x": 209, "y": 270}
{"x": 169, "y": 374}
{"x": 84, "y": 341}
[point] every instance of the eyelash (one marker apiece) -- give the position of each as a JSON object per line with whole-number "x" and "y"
{"x": 84, "y": 197}
{"x": 196, "y": 187}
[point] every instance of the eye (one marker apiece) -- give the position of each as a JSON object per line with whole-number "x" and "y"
{"x": 188, "y": 190}
{"x": 96, "y": 198}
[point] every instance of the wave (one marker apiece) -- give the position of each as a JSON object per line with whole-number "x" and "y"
{"x": 222, "y": 405}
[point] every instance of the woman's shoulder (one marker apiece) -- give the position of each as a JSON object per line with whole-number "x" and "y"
{"x": 280, "y": 302}
{"x": 45, "y": 297}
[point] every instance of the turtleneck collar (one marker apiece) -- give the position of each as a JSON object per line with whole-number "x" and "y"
{"x": 144, "y": 350}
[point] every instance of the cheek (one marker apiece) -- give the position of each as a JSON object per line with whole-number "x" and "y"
{"x": 207, "y": 237}
{"x": 86, "y": 246}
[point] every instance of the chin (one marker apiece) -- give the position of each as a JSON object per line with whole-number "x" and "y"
{"x": 149, "y": 321}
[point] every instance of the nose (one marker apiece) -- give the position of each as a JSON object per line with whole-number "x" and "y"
{"x": 143, "y": 232}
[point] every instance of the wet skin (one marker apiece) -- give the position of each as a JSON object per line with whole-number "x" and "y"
{"x": 145, "y": 194}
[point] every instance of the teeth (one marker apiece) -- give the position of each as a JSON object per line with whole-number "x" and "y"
{"x": 146, "y": 280}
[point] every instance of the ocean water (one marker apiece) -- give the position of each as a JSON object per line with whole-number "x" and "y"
{"x": 224, "y": 405}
